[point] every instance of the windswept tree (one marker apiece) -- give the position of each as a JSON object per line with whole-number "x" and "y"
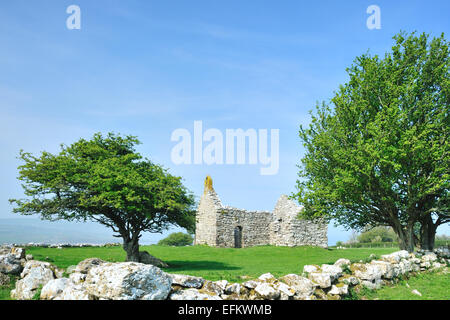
{"x": 105, "y": 180}
{"x": 378, "y": 154}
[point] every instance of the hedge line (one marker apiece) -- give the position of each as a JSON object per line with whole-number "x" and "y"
{"x": 438, "y": 243}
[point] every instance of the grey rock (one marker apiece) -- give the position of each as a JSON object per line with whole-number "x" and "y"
{"x": 127, "y": 281}
{"x": 322, "y": 279}
{"x": 10, "y": 264}
{"x": 302, "y": 286}
{"x": 35, "y": 275}
{"x": 147, "y": 258}
{"x": 187, "y": 281}
{"x": 87, "y": 264}
{"x": 233, "y": 288}
{"x": 213, "y": 287}
{"x": 54, "y": 288}
{"x": 370, "y": 272}
{"x": 267, "y": 291}
{"x": 334, "y": 271}
{"x": 73, "y": 292}
{"x": 251, "y": 284}
{"x": 193, "y": 294}
{"x": 395, "y": 257}
{"x": 77, "y": 277}
{"x": 341, "y": 262}
{"x": 339, "y": 290}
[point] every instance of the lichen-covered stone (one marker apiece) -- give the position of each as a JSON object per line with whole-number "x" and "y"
{"x": 19, "y": 253}
{"x": 395, "y": 257}
{"x": 341, "y": 262}
{"x": 334, "y": 271}
{"x": 267, "y": 277}
{"x": 187, "y": 281}
{"x": 322, "y": 279}
{"x": 368, "y": 272}
{"x": 54, "y": 288}
{"x": 234, "y": 288}
{"x": 286, "y": 292}
{"x": 251, "y": 284}
{"x": 214, "y": 287}
{"x": 339, "y": 289}
{"x": 85, "y": 265}
{"x": 193, "y": 294}
{"x": 267, "y": 291}
{"x": 372, "y": 285}
{"x": 34, "y": 276}
{"x": 147, "y": 258}
{"x": 127, "y": 281}
{"x": 303, "y": 287}
{"x": 222, "y": 284}
{"x": 349, "y": 280}
{"x": 429, "y": 257}
{"x": 310, "y": 268}
{"x": 74, "y": 292}
{"x": 77, "y": 277}
{"x": 10, "y": 264}
{"x": 389, "y": 270}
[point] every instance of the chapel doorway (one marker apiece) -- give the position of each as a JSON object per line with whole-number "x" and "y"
{"x": 238, "y": 237}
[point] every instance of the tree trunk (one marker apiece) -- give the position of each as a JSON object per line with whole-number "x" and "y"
{"x": 427, "y": 234}
{"x": 131, "y": 246}
{"x": 406, "y": 238}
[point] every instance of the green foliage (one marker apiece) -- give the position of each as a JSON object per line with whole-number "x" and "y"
{"x": 378, "y": 155}
{"x": 346, "y": 269}
{"x": 371, "y": 245}
{"x": 105, "y": 180}
{"x": 442, "y": 237}
{"x": 177, "y": 239}
{"x": 378, "y": 234}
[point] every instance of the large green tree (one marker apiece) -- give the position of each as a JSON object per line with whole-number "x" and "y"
{"x": 105, "y": 180}
{"x": 378, "y": 154}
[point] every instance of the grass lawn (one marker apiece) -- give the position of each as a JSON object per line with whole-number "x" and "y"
{"x": 5, "y": 291}
{"x": 217, "y": 263}
{"x": 432, "y": 286}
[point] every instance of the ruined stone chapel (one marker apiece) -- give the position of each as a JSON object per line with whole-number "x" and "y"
{"x": 224, "y": 226}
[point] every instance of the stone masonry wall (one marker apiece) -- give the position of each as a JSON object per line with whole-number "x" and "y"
{"x": 288, "y": 230}
{"x": 206, "y": 226}
{"x": 255, "y": 227}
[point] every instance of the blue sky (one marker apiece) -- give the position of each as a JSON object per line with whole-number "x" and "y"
{"x": 147, "y": 68}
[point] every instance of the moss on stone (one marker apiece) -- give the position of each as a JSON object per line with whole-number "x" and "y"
{"x": 358, "y": 267}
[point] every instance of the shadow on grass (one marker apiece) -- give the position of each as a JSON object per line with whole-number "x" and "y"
{"x": 177, "y": 265}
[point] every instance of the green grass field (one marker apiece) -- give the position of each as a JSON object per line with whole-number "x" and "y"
{"x": 216, "y": 263}
{"x": 237, "y": 265}
{"x": 432, "y": 286}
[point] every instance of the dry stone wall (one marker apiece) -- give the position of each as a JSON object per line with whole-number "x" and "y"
{"x": 94, "y": 279}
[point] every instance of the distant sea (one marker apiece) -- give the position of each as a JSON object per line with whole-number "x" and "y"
{"x": 26, "y": 230}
